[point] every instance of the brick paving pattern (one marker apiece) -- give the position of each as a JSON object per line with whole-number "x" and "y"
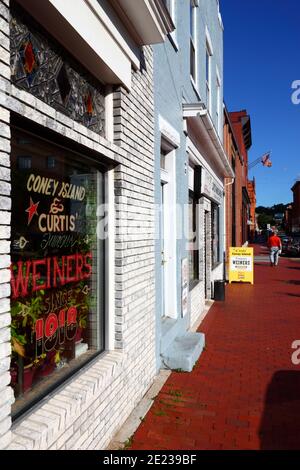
{"x": 244, "y": 392}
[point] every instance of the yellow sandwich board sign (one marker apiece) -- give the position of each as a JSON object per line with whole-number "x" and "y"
{"x": 241, "y": 265}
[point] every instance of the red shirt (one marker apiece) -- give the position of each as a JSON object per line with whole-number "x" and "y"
{"x": 274, "y": 241}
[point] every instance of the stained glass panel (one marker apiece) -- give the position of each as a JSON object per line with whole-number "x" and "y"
{"x": 42, "y": 68}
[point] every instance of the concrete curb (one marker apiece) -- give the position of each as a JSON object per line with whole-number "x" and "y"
{"x": 134, "y": 420}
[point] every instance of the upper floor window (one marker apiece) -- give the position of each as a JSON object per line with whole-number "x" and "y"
{"x": 208, "y": 76}
{"x": 193, "y": 68}
{"x": 194, "y": 229}
{"x": 170, "y": 5}
{"x": 24, "y": 163}
{"x": 215, "y": 235}
{"x": 218, "y": 109}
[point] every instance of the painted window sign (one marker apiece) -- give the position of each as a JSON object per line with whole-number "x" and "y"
{"x": 57, "y": 312}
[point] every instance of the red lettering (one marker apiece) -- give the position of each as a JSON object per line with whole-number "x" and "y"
{"x": 39, "y": 328}
{"x": 87, "y": 265}
{"x": 48, "y": 273}
{"x": 71, "y": 316}
{"x": 36, "y": 276}
{"x": 62, "y": 318}
{"x": 54, "y": 272}
{"x": 58, "y": 271}
{"x": 70, "y": 259}
{"x": 79, "y": 266}
{"x": 19, "y": 285}
{"x": 51, "y": 325}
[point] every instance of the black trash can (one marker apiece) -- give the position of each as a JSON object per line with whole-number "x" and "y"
{"x": 219, "y": 290}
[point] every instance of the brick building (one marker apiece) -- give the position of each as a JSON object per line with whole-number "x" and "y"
{"x": 288, "y": 219}
{"x": 239, "y": 192}
{"x": 252, "y": 216}
{"x": 295, "y": 216}
{"x": 77, "y": 321}
{"x": 237, "y": 141}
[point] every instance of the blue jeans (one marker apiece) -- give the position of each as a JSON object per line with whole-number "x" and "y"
{"x": 274, "y": 255}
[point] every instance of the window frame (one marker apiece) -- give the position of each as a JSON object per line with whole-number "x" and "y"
{"x": 101, "y": 263}
{"x": 218, "y": 107}
{"x": 208, "y": 74}
{"x": 193, "y": 42}
{"x": 193, "y": 198}
{"x": 215, "y": 260}
{"x": 193, "y": 253}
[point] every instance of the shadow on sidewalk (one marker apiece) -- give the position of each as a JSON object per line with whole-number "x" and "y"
{"x": 292, "y": 281}
{"x": 280, "y": 424}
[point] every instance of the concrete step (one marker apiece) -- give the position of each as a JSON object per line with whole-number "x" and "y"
{"x": 184, "y": 351}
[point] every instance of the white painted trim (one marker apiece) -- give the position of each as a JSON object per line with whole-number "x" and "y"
{"x": 168, "y": 176}
{"x": 195, "y": 87}
{"x": 195, "y": 43}
{"x": 218, "y": 75}
{"x": 109, "y": 114}
{"x": 110, "y": 262}
{"x": 201, "y": 116}
{"x": 219, "y": 106}
{"x": 89, "y": 34}
{"x": 164, "y": 176}
{"x": 99, "y": 12}
{"x": 197, "y": 158}
{"x": 209, "y": 41}
{"x": 168, "y": 132}
{"x": 173, "y": 34}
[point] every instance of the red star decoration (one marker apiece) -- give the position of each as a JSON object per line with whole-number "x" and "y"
{"x": 32, "y": 210}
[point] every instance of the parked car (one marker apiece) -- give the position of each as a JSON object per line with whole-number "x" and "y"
{"x": 290, "y": 246}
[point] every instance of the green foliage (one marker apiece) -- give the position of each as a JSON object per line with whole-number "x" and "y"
{"x": 264, "y": 219}
{"x": 128, "y": 442}
{"x": 159, "y": 412}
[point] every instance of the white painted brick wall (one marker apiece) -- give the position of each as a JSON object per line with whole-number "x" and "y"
{"x": 87, "y": 411}
{"x": 6, "y": 395}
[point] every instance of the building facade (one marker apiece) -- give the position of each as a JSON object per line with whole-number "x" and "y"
{"x": 295, "y": 215}
{"x": 77, "y": 238}
{"x": 242, "y": 129}
{"x": 252, "y": 224}
{"x": 240, "y": 192}
{"x": 190, "y": 167}
{"x": 233, "y": 187}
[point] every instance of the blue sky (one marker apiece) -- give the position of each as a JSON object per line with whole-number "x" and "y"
{"x": 261, "y": 60}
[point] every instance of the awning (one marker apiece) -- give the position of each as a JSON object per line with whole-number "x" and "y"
{"x": 199, "y": 116}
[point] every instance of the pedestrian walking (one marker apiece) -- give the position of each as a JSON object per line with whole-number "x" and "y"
{"x": 275, "y": 247}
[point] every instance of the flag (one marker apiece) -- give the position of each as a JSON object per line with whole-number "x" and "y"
{"x": 265, "y": 159}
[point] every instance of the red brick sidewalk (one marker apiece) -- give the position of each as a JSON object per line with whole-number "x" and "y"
{"x": 244, "y": 392}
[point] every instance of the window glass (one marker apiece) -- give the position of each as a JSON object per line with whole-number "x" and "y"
{"x": 208, "y": 91}
{"x": 24, "y": 163}
{"x": 215, "y": 224}
{"x": 193, "y": 246}
{"x": 56, "y": 282}
{"x": 192, "y": 40}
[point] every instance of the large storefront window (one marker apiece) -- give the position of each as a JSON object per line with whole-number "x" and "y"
{"x": 57, "y": 302}
{"x": 215, "y": 231}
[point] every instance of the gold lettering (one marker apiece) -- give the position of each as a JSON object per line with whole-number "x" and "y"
{"x": 29, "y": 182}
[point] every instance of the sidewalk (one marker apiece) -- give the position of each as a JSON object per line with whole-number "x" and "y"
{"x": 244, "y": 392}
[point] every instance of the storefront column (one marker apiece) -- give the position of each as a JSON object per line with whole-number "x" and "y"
{"x": 6, "y": 393}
